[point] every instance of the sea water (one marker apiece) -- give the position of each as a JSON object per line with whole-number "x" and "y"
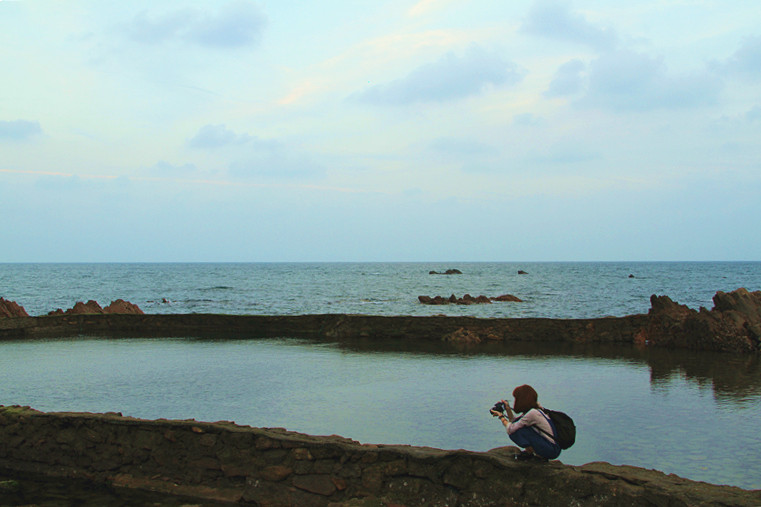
{"x": 688, "y": 413}
{"x": 553, "y": 290}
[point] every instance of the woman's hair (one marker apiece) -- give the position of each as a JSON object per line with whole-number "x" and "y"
{"x": 525, "y": 398}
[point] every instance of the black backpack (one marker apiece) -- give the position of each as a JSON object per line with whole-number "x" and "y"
{"x": 565, "y": 429}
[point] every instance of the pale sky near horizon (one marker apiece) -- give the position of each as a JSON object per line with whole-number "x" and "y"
{"x": 401, "y": 130}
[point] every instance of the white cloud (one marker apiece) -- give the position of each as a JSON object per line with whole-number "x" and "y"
{"x": 629, "y": 81}
{"x": 19, "y": 130}
{"x": 235, "y": 24}
{"x": 568, "y": 80}
{"x": 450, "y": 78}
{"x": 555, "y": 20}
{"x": 746, "y": 61}
{"x": 215, "y": 136}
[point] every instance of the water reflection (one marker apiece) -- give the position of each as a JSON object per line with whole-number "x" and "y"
{"x": 732, "y": 378}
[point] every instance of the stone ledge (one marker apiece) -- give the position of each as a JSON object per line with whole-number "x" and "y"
{"x": 225, "y": 463}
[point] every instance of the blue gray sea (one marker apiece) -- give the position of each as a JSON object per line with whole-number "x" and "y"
{"x": 688, "y": 413}
{"x": 554, "y": 290}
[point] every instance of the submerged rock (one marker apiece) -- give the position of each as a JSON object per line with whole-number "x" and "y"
{"x": 447, "y": 272}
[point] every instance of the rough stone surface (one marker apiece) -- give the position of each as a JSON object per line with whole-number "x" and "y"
{"x": 733, "y": 325}
{"x": 122, "y": 306}
{"x": 92, "y": 307}
{"x": 10, "y": 309}
{"x": 108, "y": 451}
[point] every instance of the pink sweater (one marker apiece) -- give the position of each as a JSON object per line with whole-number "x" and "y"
{"x": 533, "y": 418}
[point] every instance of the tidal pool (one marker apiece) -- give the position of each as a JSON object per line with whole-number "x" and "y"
{"x": 692, "y": 414}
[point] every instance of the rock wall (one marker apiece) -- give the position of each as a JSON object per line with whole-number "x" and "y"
{"x": 224, "y": 463}
{"x": 733, "y": 325}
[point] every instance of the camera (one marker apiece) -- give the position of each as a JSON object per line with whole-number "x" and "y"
{"x": 499, "y": 407}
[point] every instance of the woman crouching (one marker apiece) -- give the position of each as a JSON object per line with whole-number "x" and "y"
{"x": 532, "y": 430}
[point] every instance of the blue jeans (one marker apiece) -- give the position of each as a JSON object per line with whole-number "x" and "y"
{"x": 527, "y": 437}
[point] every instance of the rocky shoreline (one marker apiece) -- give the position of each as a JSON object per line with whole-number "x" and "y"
{"x": 169, "y": 462}
{"x": 733, "y": 325}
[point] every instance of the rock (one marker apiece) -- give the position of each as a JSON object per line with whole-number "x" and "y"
{"x": 521, "y": 272}
{"x": 508, "y": 297}
{"x": 85, "y": 308}
{"x": 122, "y": 306}
{"x": 733, "y": 325}
{"x": 447, "y": 272}
{"x": 467, "y": 299}
{"x": 462, "y": 336}
{"x": 9, "y": 309}
{"x": 119, "y": 306}
{"x": 111, "y": 451}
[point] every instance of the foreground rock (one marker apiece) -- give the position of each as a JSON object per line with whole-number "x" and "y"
{"x": 467, "y": 299}
{"x": 223, "y": 463}
{"x": 734, "y": 324}
{"x": 10, "y": 309}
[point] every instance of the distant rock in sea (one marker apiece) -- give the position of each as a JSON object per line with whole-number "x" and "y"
{"x": 447, "y": 272}
{"x": 467, "y": 299}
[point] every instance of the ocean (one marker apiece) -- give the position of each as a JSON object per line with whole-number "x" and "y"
{"x": 552, "y": 290}
{"x": 681, "y": 412}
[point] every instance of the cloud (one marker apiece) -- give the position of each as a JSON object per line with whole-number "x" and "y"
{"x": 215, "y": 136}
{"x": 555, "y": 20}
{"x": 628, "y": 81}
{"x": 450, "y": 78}
{"x": 252, "y": 156}
{"x": 568, "y": 80}
{"x": 754, "y": 115}
{"x": 19, "y": 130}
{"x": 272, "y": 158}
{"x": 746, "y": 61}
{"x": 165, "y": 169}
{"x": 236, "y": 24}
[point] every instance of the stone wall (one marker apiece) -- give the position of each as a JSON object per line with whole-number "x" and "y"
{"x": 223, "y": 463}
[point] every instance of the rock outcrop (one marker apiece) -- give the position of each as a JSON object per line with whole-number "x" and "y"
{"x": 447, "y": 272}
{"x": 734, "y": 324}
{"x": 10, "y": 309}
{"x": 223, "y": 463}
{"x": 467, "y": 299}
{"x": 92, "y": 307}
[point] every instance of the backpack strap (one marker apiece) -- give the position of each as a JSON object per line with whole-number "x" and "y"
{"x": 554, "y": 434}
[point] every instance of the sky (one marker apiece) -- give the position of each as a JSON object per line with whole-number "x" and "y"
{"x": 399, "y": 130}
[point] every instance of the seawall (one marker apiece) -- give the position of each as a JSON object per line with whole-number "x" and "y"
{"x": 327, "y": 327}
{"x": 223, "y": 463}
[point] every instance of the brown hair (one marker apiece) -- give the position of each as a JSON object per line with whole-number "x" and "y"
{"x": 525, "y": 398}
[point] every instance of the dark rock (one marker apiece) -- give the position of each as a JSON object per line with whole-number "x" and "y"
{"x": 10, "y": 309}
{"x": 447, "y": 272}
{"x": 733, "y": 325}
{"x": 508, "y": 297}
{"x": 362, "y": 474}
{"x": 521, "y": 272}
{"x": 467, "y": 299}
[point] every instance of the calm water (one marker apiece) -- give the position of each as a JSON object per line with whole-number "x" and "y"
{"x": 679, "y": 413}
{"x": 557, "y": 290}
{"x": 690, "y": 414}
